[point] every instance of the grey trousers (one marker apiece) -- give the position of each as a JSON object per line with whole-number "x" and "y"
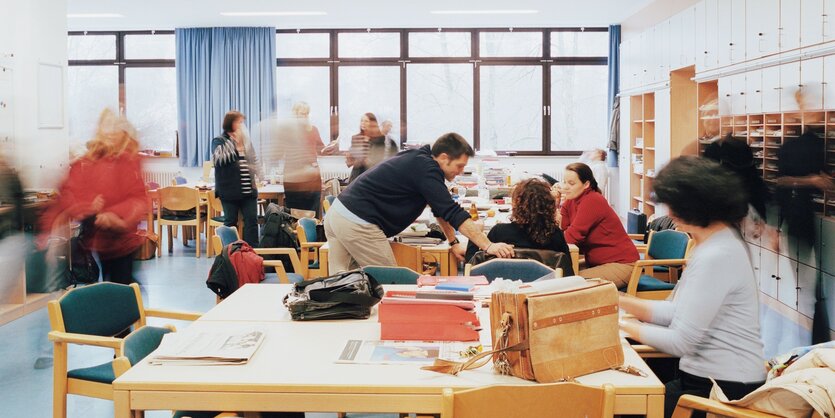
{"x": 351, "y": 245}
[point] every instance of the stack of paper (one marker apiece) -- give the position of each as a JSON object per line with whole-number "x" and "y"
{"x": 208, "y": 348}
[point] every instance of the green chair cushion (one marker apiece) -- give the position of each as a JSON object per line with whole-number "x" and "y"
{"x": 648, "y": 284}
{"x": 103, "y": 309}
{"x": 103, "y": 373}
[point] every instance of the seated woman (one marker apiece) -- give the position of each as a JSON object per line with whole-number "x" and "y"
{"x": 532, "y": 224}
{"x": 591, "y": 224}
{"x": 712, "y": 321}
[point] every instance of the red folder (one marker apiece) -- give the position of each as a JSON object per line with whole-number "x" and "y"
{"x": 428, "y": 322}
{"x": 435, "y": 280}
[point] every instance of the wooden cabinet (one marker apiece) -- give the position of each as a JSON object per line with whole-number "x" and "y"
{"x": 789, "y": 24}
{"x": 789, "y": 85}
{"x": 762, "y": 26}
{"x": 642, "y": 151}
{"x": 811, "y": 82}
{"x": 753, "y": 91}
{"x": 811, "y": 22}
{"x": 771, "y": 89}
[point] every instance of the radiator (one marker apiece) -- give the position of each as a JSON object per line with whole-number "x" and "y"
{"x": 334, "y": 174}
{"x": 162, "y": 178}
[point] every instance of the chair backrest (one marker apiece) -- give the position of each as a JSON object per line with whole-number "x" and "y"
{"x": 569, "y": 400}
{"x": 214, "y": 203}
{"x": 227, "y": 234}
{"x": 178, "y": 198}
{"x": 326, "y": 203}
{"x": 138, "y": 344}
{"x": 550, "y": 258}
{"x": 667, "y": 244}
{"x": 103, "y": 309}
{"x": 407, "y": 256}
{"x": 392, "y": 275}
{"x": 511, "y": 269}
{"x": 308, "y": 225}
{"x": 152, "y": 185}
{"x": 179, "y": 181}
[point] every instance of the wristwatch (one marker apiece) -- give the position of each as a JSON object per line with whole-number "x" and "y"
{"x": 454, "y": 241}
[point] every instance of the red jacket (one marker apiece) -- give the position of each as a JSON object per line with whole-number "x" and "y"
{"x": 591, "y": 224}
{"x": 119, "y": 181}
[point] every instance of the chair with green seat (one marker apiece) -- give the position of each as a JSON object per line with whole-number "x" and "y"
{"x": 669, "y": 249}
{"x": 94, "y": 315}
{"x": 326, "y": 204}
{"x": 214, "y": 218}
{"x": 306, "y": 233}
{"x": 392, "y": 275}
{"x": 225, "y": 235}
{"x": 525, "y": 270}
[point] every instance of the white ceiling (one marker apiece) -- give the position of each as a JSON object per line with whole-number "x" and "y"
{"x": 169, "y": 14}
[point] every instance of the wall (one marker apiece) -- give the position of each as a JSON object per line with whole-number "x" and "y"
{"x": 35, "y": 31}
{"x": 762, "y": 52}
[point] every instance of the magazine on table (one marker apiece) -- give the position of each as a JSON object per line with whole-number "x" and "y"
{"x": 208, "y": 348}
{"x": 404, "y": 352}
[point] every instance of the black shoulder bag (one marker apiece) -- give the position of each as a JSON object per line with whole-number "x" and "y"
{"x": 348, "y": 295}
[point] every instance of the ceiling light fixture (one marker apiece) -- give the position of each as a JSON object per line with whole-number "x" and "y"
{"x": 484, "y": 12}
{"x": 92, "y": 15}
{"x": 249, "y": 14}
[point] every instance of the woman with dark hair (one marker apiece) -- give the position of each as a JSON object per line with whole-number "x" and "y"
{"x": 532, "y": 224}
{"x": 591, "y": 224}
{"x": 712, "y": 321}
{"x": 236, "y": 175}
{"x": 368, "y": 147}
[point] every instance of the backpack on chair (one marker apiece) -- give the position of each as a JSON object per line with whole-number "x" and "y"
{"x": 235, "y": 266}
{"x": 278, "y": 233}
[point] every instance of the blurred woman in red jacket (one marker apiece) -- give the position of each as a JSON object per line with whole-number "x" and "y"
{"x": 104, "y": 191}
{"x": 591, "y": 224}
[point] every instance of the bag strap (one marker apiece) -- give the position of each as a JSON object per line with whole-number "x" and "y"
{"x": 454, "y": 367}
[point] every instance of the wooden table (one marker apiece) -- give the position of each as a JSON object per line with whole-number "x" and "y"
{"x": 295, "y": 371}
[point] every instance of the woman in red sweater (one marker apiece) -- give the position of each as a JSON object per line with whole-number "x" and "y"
{"x": 591, "y": 224}
{"x": 105, "y": 192}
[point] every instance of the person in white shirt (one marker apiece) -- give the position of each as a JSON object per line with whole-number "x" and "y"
{"x": 712, "y": 320}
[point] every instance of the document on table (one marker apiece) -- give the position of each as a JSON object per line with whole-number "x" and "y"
{"x": 402, "y": 352}
{"x": 208, "y": 348}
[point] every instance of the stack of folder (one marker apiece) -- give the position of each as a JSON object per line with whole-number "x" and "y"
{"x": 428, "y": 315}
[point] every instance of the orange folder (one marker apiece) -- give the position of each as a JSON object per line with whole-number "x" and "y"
{"x": 427, "y": 322}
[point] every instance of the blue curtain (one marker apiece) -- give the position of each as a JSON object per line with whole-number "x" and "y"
{"x": 614, "y": 89}
{"x": 220, "y": 69}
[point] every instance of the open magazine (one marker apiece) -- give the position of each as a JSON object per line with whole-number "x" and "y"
{"x": 402, "y": 352}
{"x": 208, "y": 348}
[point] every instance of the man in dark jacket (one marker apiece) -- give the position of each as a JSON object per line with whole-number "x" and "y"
{"x": 384, "y": 200}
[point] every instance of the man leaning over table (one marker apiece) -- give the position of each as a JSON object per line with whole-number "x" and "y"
{"x": 388, "y": 198}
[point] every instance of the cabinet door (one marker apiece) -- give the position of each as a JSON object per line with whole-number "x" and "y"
{"x": 827, "y": 255}
{"x": 662, "y": 48}
{"x": 739, "y": 101}
{"x": 787, "y": 281}
{"x": 811, "y": 81}
{"x": 829, "y": 285}
{"x": 828, "y": 20}
{"x": 725, "y": 95}
{"x": 644, "y": 58}
{"x": 711, "y": 34}
{"x": 789, "y": 84}
{"x": 811, "y": 22}
{"x": 807, "y": 278}
{"x": 789, "y": 24}
{"x": 726, "y": 22}
{"x": 829, "y": 82}
{"x": 700, "y": 36}
{"x": 674, "y": 44}
{"x": 771, "y": 89}
{"x": 769, "y": 262}
{"x": 761, "y": 24}
{"x": 754, "y": 91}
{"x": 688, "y": 37}
{"x": 7, "y": 135}
{"x": 738, "y": 31}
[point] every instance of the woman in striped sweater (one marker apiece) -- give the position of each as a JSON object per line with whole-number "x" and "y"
{"x": 237, "y": 171}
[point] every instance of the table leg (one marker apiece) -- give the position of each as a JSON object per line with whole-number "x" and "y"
{"x": 655, "y": 406}
{"x": 121, "y": 404}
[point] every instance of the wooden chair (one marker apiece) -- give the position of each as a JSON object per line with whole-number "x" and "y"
{"x": 689, "y": 403}
{"x": 181, "y": 199}
{"x": 306, "y": 233}
{"x": 661, "y": 248}
{"x": 542, "y": 401}
{"x": 392, "y": 275}
{"x": 208, "y": 166}
{"x": 93, "y": 315}
{"x": 407, "y": 256}
{"x": 225, "y": 235}
{"x": 326, "y": 204}
{"x": 214, "y": 218}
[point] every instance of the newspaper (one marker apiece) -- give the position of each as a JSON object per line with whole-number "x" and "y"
{"x": 403, "y": 352}
{"x": 208, "y": 348}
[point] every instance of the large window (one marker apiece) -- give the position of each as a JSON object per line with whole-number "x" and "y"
{"x": 525, "y": 91}
{"x": 130, "y": 72}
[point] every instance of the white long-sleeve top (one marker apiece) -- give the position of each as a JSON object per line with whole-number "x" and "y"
{"x": 713, "y": 320}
